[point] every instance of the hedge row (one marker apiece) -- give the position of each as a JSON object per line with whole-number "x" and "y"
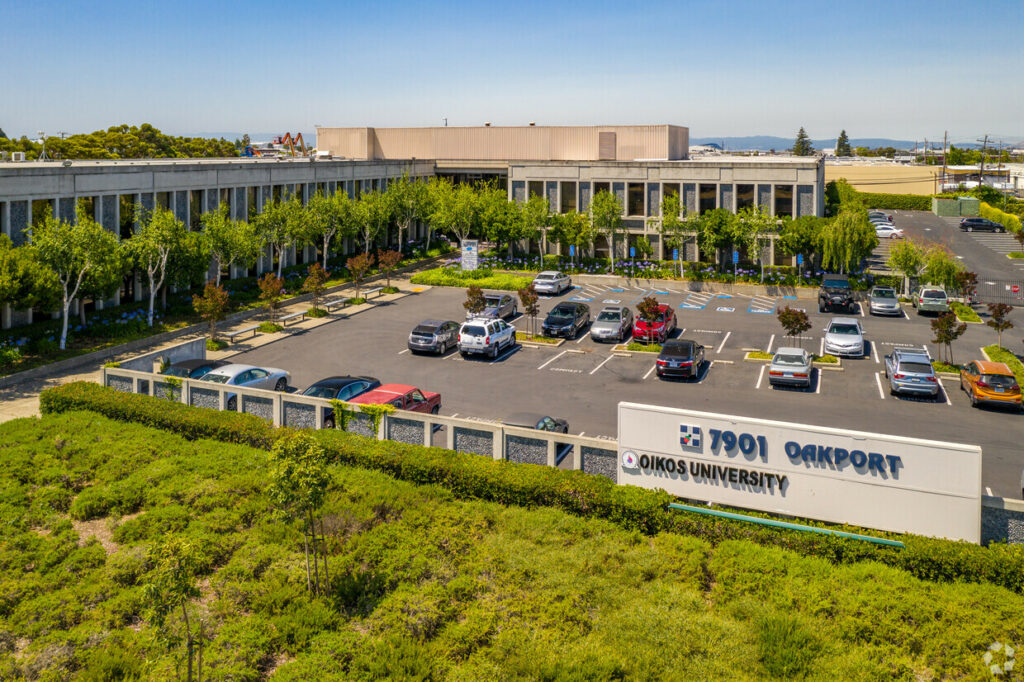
{"x": 902, "y": 202}
{"x": 1008, "y": 220}
{"x": 473, "y": 477}
{"x": 485, "y": 279}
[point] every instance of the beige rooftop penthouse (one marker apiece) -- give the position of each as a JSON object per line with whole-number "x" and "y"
{"x": 509, "y": 143}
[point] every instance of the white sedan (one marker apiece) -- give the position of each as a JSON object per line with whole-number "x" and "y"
{"x": 249, "y": 377}
{"x": 551, "y": 282}
{"x": 888, "y": 232}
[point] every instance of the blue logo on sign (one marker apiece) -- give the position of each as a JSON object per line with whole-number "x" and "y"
{"x": 689, "y": 436}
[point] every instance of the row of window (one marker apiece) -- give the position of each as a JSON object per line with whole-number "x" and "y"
{"x": 641, "y": 199}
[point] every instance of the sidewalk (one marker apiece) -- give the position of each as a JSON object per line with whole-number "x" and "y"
{"x": 22, "y": 399}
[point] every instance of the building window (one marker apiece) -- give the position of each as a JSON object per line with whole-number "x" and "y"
{"x": 602, "y": 187}
{"x": 163, "y": 199}
{"x": 744, "y": 196}
{"x": 707, "y": 198}
{"x": 251, "y": 202}
{"x": 783, "y": 200}
{"x": 669, "y": 189}
{"x": 568, "y": 198}
{"x": 195, "y": 208}
{"x": 635, "y": 199}
{"x": 536, "y": 188}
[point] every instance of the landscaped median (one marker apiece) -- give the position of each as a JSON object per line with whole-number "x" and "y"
{"x": 483, "y": 278}
{"x": 124, "y": 542}
{"x": 527, "y": 339}
{"x": 826, "y": 361}
{"x": 469, "y": 476}
{"x": 964, "y": 312}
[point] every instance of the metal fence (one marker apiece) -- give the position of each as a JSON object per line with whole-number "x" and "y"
{"x": 488, "y": 439}
{"x": 1009, "y": 291}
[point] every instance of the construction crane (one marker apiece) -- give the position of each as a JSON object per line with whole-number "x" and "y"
{"x": 290, "y": 142}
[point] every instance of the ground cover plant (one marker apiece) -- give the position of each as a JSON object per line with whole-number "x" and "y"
{"x": 422, "y": 585}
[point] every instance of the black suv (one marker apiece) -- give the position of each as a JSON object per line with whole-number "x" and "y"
{"x": 980, "y": 225}
{"x": 835, "y": 292}
{"x": 566, "y": 319}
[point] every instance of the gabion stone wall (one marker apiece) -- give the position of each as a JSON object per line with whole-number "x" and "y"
{"x": 405, "y": 431}
{"x": 299, "y": 415}
{"x": 261, "y": 407}
{"x": 162, "y": 389}
{"x": 360, "y": 424}
{"x": 203, "y": 397}
{"x": 1002, "y": 525}
{"x": 526, "y": 450}
{"x": 474, "y": 440}
{"x": 600, "y": 461}
{"x": 120, "y": 383}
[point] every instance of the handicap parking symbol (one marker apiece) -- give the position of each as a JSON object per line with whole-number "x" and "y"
{"x": 613, "y": 301}
{"x": 723, "y": 309}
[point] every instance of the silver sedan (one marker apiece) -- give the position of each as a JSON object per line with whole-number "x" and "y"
{"x": 613, "y": 323}
{"x": 790, "y": 367}
{"x": 551, "y": 282}
{"x": 249, "y": 377}
{"x": 884, "y": 301}
{"x": 844, "y": 336}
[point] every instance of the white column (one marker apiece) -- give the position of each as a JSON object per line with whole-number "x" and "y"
{"x": 5, "y": 218}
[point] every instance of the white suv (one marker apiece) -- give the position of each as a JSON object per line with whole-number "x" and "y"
{"x": 486, "y": 335}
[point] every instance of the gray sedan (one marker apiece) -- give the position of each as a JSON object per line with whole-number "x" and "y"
{"x": 249, "y": 377}
{"x": 551, "y": 282}
{"x": 790, "y": 367}
{"x": 883, "y": 301}
{"x": 844, "y": 336}
{"x": 613, "y": 323}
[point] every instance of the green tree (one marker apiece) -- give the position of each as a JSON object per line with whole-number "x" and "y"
{"x": 315, "y": 283}
{"x": 795, "y": 322}
{"x": 230, "y": 241}
{"x": 802, "y": 145}
{"x": 358, "y": 266}
{"x": 802, "y": 236}
{"x": 575, "y": 229}
{"x": 300, "y": 229}
{"x": 847, "y": 240}
{"x": 159, "y": 235}
{"x": 501, "y": 219}
{"x": 530, "y": 300}
{"x": 947, "y": 329}
{"x": 998, "y": 314}
{"x": 211, "y": 306}
{"x": 375, "y": 211}
{"x": 475, "y": 302}
{"x": 906, "y": 258}
{"x": 536, "y": 217}
{"x": 299, "y": 480}
{"x": 751, "y": 231}
{"x": 271, "y": 227}
{"x": 714, "y": 231}
{"x": 410, "y": 203}
{"x": 941, "y": 267}
{"x": 673, "y": 225}
{"x": 105, "y": 278}
{"x": 25, "y": 281}
{"x": 843, "y": 145}
{"x": 271, "y": 293}
{"x": 606, "y": 215}
{"x": 71, "y": 251}
{"x": 454, "y": 208}
{"x": 171, "y": 585}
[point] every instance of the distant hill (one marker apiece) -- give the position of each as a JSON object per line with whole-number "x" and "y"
{"x": 763, "y": 143}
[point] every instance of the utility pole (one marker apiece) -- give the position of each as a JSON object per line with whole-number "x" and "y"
{"x": 981, "y": 168}
{"x": 945, "y": 140}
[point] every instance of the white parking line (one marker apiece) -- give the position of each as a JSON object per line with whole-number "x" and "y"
{"x": 760, "y": 375}
{"x": 821, "y": 348}
{"x": 874, "y": 351}
{"x": 860, "y": 306}
{"x": 403, "y": 351}
{"x": 580, "y": 340}
{"x": 878, "y": 381}
{"x": 553, "y": 359}
{"x": 945, "y": 393}
{"x": 988, "y": 491}
{"x": 649, "y": 371}
{"x": 721, "y": 345}
{"x": 818, "y": 389}
{"x": 602, "y": 363}
{"x": 582, "y": 432}
{"x": 770, "y": 342}
{"x": 455, "y": 415}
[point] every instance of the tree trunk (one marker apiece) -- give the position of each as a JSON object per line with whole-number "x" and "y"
{"x": 152, "y": 301}
{"x": 280, "y": 260}
{"x": 327, "y": 576}
{"x": 611, "y": 251}
{"x": 64, "y": 323}
{"x": 327, "y": 244}
{"x": 316, "y": 562}
{"x": 305, "y": 543}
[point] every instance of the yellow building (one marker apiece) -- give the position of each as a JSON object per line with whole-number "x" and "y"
{"x": 888, "y": 177}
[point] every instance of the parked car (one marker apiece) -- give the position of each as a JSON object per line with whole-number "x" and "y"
{"x": 990, "y": 382}
{"x": 878, "y": 220}
{"x": 486, "y": 336}
{"x": 888, "y": 232}
{"x": 790, "y": 367}
{"x": 193, "y": 369}
{"x": 835, "y": 292}
{"x": 680, "y": 358}
{"x": 536, "y": 421}
{"x": 434, "y": 336}
{"x": 980, "y": 225}
{"x": 844, "y": 336}
{"x": 339, "y": 388}
{"x": 658, "y": 330}
{"x": 875, "y": 213}
{"x": 247, "y": 376}
{"x": 497, "y": 306}
{"x": 551, "y": 282}
{"x": 614, "y": 322}
{"x": 909, "y": 370}
{"x": 566, "y": 319}
{"x": 403, "y": 397}
{"x": 884, "y": 301}
{"x": 930, "y": 300}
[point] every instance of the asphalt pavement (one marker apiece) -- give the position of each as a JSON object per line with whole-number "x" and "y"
{"x": 583, "y": 382}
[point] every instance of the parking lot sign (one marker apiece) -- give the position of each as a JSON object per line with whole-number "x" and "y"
{"x": 632, "y": 252}
{"x": 735, "y": 257}
{"x": 572, "y": 250}
{"x": 675, "y": 254}
{"x": 799, "y": 259}
{"x": 470, "y": 254}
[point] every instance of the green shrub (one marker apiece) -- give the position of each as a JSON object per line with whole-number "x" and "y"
{"x": 1015, "y": 254}
{"x": 469, "y": 476}
{"x": 484, "y": 278}
{"x": 787, "y": 647}
{"x": 964, "y": 312}
{"x": 219, "y": 344}
{"x": 898, "y": 202}
{"x": 92, "y": 503}
{"x": 1009, "y": 221}
{"x": 270, "y": 328}
{"x": 316, "y": 312}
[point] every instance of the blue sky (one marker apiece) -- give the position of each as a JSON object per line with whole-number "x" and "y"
{"x": 878, "y": 69}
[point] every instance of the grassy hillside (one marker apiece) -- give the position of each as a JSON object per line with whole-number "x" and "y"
{"x": 424, "y": 586}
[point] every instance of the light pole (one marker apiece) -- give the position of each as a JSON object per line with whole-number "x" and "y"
{"x": 42, "y": 136}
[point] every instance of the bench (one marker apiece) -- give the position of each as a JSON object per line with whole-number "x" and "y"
{"x": 335, "y": 303}
{"x": 231, "y": 335}
{"x": 375, "y": 290}
{"x": 291, "y": 316}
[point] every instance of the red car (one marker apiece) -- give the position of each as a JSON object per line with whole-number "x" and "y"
{"x": 403, "y": 397}
{"x": 658, "y": 330}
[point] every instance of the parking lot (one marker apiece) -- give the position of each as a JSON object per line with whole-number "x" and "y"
{"x": 583, "y": 381}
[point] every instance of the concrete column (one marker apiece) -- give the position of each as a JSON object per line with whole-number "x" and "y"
{"x": 5, "y": 316}
{"x": 28, "y": 219}
{"x": 5, "y": 218}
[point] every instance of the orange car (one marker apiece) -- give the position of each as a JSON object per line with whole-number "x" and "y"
{"x": 990, "y": 382}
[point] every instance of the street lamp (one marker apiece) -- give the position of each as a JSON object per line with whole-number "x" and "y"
{"x": 42, "y": 136}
